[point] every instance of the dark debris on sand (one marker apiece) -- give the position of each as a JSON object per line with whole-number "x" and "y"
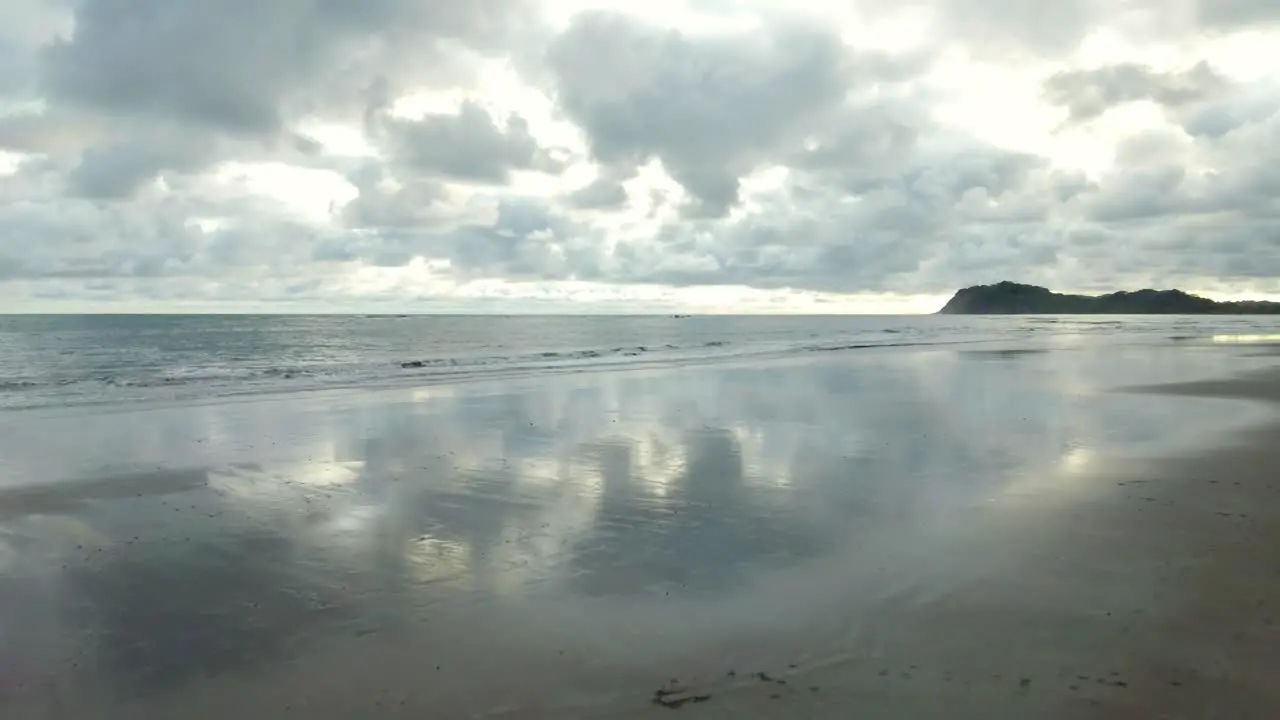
{"x": 765, "y": 677}
{"x": 674, "y": 697}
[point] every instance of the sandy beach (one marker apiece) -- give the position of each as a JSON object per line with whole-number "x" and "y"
{"x": 1079, "y": 532}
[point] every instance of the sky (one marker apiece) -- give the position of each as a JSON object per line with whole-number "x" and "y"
{"x": 595, "y": 155}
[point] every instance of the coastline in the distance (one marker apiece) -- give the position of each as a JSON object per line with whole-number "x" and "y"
{"x": 1010, "y": 298}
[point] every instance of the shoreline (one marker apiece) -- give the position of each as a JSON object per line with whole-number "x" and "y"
{"x": 407, "y": 381}
{"x": 399, "y": 373}
{"x": 393, "y": 386}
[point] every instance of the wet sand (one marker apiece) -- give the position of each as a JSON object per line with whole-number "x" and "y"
{"x": 929, "y": 534}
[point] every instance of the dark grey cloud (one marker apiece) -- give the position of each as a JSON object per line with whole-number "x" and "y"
{"x": 143, "y": 88}
{"x": 1226, "y": 179}
{"x": 1140, "y": 194}
{"x": 866, "y": 138}
{"x": 77, "y": 240}
{"x": 246, "y": 66}
{"x": 522, "y": 242}
{"x": 1179, "y": 209}
{"x": 182, "y": 60}
{"x": 605, "y": 192}
{"x": 1234, "y": 14}
{"x": 1087, "y": 94}
{"x": 711, "y": 109}
{"x": 115, "y": 161}
{"x": 468, "y": 146}
{"x": 48, "y": 235}
{"x": 418, "y": 204}
{"x": 511, "y": 237}
{"x": 1244, "y": 106}
{"x": 829, "y": 238}
{"x": 404, "y": 209}
{"x": 119, "y": 170}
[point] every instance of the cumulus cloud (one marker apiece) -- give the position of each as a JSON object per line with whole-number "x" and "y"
{"x": 246, "y": 66}
{"x": 1232, "y": 14}
{"x": 710, "y": 109}
{"x": 237, "y": 150}
{"x": 1087, "y": 94}
{"x": 1022, "y": 25}
{"x": 607, "y": 191}
{"x": 468, "y": 145}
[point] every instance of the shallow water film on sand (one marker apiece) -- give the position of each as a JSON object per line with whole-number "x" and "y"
{"x": 777, "y": 536}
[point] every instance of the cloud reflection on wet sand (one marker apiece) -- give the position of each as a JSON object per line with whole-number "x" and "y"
{"x": 571, "y": 531}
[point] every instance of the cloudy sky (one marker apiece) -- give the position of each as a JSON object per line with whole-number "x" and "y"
{"x": 770, "y": 155}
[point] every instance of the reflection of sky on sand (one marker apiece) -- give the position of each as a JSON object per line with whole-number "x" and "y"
{"x": 1245, "y": 339}
{"x": 574, "y": 510}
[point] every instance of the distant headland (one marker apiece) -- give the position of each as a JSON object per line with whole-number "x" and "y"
{"x": 1010, "y": 298}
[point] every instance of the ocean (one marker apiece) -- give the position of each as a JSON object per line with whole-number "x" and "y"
{"x": 66, "y": 360}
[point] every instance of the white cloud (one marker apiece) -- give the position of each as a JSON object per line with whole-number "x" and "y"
{"x": 585, "y": 154}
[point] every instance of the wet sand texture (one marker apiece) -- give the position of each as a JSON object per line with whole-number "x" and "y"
{"x": 926, "y": 535}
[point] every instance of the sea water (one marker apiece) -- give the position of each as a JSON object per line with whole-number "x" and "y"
{"x": 69, "y": 360}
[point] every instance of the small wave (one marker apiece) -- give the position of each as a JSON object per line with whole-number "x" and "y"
{"x": 452, "y": 362}
{"x": 1004, "y": 354}
{"x": 837, "y": 348}
{"x": 288, "y": 373}
{"x": 888, "y": 345}
{"x": 546, "y": 356}
{"x": 225, "y": 380}
{"x": 867, "y": 346}
{"x": 201, "y": 375}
